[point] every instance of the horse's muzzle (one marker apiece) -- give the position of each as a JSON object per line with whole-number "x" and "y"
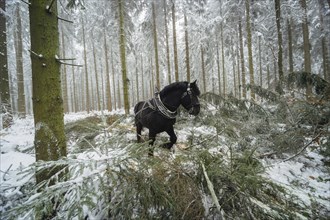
{"x": 194, "y": 110}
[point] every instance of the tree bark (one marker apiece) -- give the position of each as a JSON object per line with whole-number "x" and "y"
{"x": 87, "y": 98}
{"x": 98, "y": 101}
{"x": 325, "y": 55}
{"x": 167, "y": 44}
{"x": 307, "y": 49}
{"x": 4, "y": 77}
{"x": 155, "y": 44}
{"x": 64, "y": 77}
{"x": 122, "y": 49}
{"x": 175, "y": 47}
{"x": 249, "y": 42}
{"x": 186, "y": 37}
{"x": 242, "y": 57}
{"x": 290, "y": 45}
{"x": 279, "y": 42}
{"x": 50, "y": 141}
{"x": 203, "y": 69}
{"x": 19, "y": 65}
{"x": 107, "y": 73}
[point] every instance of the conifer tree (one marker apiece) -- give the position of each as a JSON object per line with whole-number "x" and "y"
{"x": 50, "y": 141}
{"x": 4, "y": 78}
{"x": 155, "y": 44}
{"x": 249, "y": 44}
{"x": 122, "y": 46}
{"x": 19, "y": 64}
{"x": 175, "y": 47}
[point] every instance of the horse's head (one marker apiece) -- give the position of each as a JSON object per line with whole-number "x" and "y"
{"x": 189, "y": 99}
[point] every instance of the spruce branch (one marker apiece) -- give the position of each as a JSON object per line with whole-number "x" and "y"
{"x": 211, "y": 188}
{"x": 304, "y": 148}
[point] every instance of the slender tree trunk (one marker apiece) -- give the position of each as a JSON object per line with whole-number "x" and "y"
{"x": 224, "y": 75}
{"x": 167, "y": 44}
{"x": 249, "y": 42}
{"x": 186, "y": 37}
{"x": 325, "y": 55}
{"x": 260, "y": 63}
{"x": 64, "y": 77}
{"x": 98, "y": 101}
{"x": 279, "y": 42}
{"x": 122, "y": 49}
{"x": 155, "y": 44}
{"x": 19, "y": 65}
{"x": 234, "y": 67}
{"x": 203, "y": 69}
{"x": 137, "y": 79}
{"x": 107, "y": 73}
{"x": 4, "y": 77}
{"x": 175, "y": 47}
{"x": 290, "y": 45}
{"x": 115, "y": 99}
{"x": 218, "y": 67}
{"x": 87, "y": 98}
{"x": 238, "y": 71}
{"x": 50, "y": 143}
{"x": 142, "y": 71}
{"x": 242, "y": 57}
{"x": 307, "y": 49}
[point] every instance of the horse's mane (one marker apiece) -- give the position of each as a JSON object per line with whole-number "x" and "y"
{"x": 180, "y": 86}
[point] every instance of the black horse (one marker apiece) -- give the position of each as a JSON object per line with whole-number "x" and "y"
{"x": 159, "y": 114}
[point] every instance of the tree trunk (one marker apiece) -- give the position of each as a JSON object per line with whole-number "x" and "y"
{"x": 107, "y": 73}
{"x": 19, "y": 65}
{"x": 218, "y": 67}
{"x": 279, "y": 42}
{"x": 167, "y": 44}
{"x": 307, "y": 49}
{"x": 115, "y": 99}
{"x": 249, "y": 42}
{"x": 175, "y": 47}
{"x": 64, "y": 77}
{"x": 122, "y": 46}
{"x": 98, "y": 97}
{"x": 155, "y": 44}
{"x": 187, "y": 47}
{"x": 137, "y": 79}
{"x": 260, "y": 62}
{"x": 224, "y": 75}
{"x": 325, "y": 55}
{"x": 4, "y": 77}
{"x": 50, "y": 142}
{"x": 242, "y": 57}
{"x": 203, "y": 70}
{"x": 290, "y": 45}
{"x": 87, "y": 98}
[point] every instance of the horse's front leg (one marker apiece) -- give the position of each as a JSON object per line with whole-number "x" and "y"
{"x": 152, "y": 138}
{"x": 173, "y": 138}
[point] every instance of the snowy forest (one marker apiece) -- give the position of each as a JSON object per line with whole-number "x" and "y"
{"x": 73, "y": 71}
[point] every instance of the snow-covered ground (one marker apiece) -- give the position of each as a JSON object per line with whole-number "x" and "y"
{"x": 304, "y": 176}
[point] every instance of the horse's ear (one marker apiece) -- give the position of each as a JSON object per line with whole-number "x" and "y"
{"x": 194, "y": 82}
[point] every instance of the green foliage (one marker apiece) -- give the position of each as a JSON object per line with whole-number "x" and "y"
{"x": 111, "y": 176}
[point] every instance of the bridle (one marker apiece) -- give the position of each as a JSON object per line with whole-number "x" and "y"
{"x": 190, "y": 93}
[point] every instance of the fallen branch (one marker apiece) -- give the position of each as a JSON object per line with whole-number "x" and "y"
{"x": 211, "y": 188}
{"x": 304, "y": 148}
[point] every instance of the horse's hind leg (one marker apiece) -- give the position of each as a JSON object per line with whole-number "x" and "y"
{"x": 138, "y": 131}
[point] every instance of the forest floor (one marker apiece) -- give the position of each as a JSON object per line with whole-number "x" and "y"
{"x": 304, "y": 175}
